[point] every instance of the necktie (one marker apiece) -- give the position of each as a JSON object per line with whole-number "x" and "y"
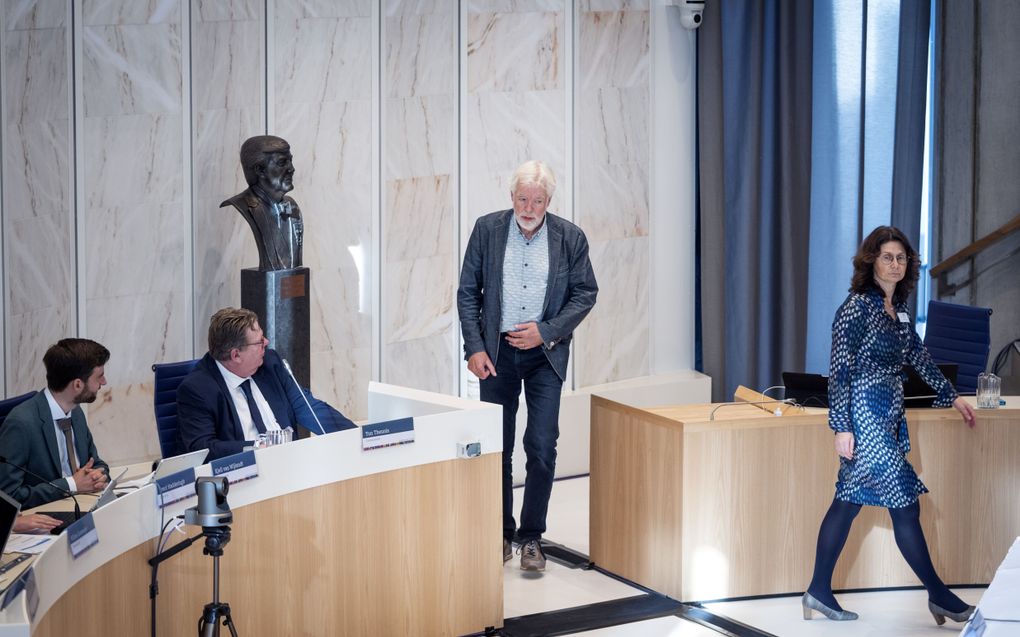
{"x": 72, "y": 459}
{"x": 256, "y": 415}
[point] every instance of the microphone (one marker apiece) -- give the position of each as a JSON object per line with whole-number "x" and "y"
{"x": 77, "y": 509}
{"x": 286, "y": 366}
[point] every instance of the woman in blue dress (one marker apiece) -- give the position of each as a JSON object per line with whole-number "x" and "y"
{"x": 872, "y": 338}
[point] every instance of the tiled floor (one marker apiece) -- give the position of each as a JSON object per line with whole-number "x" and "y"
{"x": 885, "y": 614}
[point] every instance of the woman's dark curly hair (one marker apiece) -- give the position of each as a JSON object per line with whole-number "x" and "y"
{"x": 864, "y": 263}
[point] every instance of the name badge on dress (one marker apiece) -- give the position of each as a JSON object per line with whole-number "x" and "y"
{"x": 903, "y": 317}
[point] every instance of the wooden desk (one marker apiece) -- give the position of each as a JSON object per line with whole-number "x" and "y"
{"x": 699, "y": 509}
{"x": 327, "y": 540}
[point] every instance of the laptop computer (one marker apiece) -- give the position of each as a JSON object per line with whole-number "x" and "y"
{"x": 105, "y": 497}
{"x": 812, "y": 390}
{"x": 917, "y": 393}
{"x": 809, "y": 390}
{"x": 12, "y": 565}
{"x": 168, "y": 466}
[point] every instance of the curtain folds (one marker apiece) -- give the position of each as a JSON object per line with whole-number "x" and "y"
{"x": 754, "y": 103}
{"x": 811, "y": 132}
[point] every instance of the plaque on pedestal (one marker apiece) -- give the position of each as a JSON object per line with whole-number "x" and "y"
{"x": 280, "y": 298}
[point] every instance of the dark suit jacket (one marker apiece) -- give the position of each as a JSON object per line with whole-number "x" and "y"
{"x": 207, "y": 419}
{"x": 569, "y": 295}
{"x": 28, "y": 438}
{"x": 277, "y": 250}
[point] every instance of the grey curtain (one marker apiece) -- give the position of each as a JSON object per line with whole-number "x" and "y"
{"x": 754, "y": 130}
{"x": 772, "y": 224}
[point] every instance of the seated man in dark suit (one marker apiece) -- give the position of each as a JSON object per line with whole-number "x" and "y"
{"x": 240, "y": 389}
{"x": 39, "y": 433}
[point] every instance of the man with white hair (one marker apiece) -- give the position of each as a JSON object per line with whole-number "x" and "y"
{"x": 525, "y": 286}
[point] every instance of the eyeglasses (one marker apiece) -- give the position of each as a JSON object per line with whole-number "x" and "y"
{"x": 259, "y": 343}
{"x": 899, "y": 258}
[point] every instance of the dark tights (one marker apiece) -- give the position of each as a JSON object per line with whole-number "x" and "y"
{"x": 909, "y": 538}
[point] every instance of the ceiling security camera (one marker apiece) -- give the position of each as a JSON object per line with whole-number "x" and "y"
{"x": 690, "y": 12}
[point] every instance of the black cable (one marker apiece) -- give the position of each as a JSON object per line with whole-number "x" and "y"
{"x": 154, "y": 583}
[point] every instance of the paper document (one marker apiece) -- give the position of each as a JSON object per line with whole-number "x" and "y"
{"x": 28, "y": 543}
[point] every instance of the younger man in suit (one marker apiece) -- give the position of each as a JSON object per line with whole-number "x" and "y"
{"x": 48, "y": 434}
{"x": 240, "y": 389}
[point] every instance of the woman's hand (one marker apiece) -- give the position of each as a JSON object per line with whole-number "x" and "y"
{"x": 845, "y": 444}
{"x": 965, "y": 410}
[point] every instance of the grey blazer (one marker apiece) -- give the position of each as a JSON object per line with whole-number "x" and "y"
{"x": 27, "y": 438}
{"x": 569, "y": 296}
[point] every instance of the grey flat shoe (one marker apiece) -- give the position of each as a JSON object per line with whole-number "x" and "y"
{"x": 809, "y": 603}
{"x": 940, "y": 613}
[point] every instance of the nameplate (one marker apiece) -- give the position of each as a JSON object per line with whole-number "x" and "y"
{"x": 31, "y": 595}
{"x": 14, "y": 588}
{"x": 235, "y": 468}
{"x": 292, "y": 286}
{"x": 175, "y": 487}
{"x": 82, "y": 535}
{"x": 387, "y": 434}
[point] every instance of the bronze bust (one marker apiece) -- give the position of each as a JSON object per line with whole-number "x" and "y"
{"x": 274, "y": 218}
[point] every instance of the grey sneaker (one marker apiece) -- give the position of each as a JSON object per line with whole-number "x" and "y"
{"x": 532, "y": 558}
{"x": 508, "y": 551}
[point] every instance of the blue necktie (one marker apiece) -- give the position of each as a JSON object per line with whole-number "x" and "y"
{"x": 256, "y": 415}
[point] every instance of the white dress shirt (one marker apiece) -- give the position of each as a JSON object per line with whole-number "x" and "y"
{"x": 57, "y": 412}
{"x": 234, "y": 383}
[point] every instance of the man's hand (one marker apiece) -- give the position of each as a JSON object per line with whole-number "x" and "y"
{"x": 526, "y": 336}
{"x": 965, "y": 410}
{"x": 89, "y": 480}
{"x": 35, "y": 523}
{"x": 481, "y": 366}
{"x": 845, "y": 444}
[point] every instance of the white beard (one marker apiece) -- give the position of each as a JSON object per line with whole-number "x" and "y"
{"x": 529, "y": 226}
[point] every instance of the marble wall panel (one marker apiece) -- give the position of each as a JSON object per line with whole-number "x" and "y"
{"x": 323, "y": 107}
{"x": 421, "y": 136}
{"x": 40, "y": 304}
{"x": 227, "y": 97}
{"x": 421, "y": 55}
{"x": 323, "y": 59}
{"x": 418, "y": 7}
{"x": 33, "y": 14}
{"x": 121, "y": 421}
{"x": 323, "y": 8}
{"x": 514, "y": 52}
{"x": 131, "y": 12}
{"x": 419, "y": 220}
{"x": 612, "y": 342}
{"x": 37, "y": 223}
{"x": 205, "y": 11}
{"x": 612, "y": 132}
{"x": 136, "y": 271}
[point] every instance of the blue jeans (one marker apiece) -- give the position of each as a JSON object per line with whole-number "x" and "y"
{"x": 542, "y": 389}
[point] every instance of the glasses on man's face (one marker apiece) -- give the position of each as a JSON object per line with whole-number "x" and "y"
{"x": 259, "y": 343}
{"x": 899, "y": 258}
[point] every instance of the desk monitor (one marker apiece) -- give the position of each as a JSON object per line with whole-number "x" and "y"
{"x": 809, "y": 390}
{"x": 917, "y": 393}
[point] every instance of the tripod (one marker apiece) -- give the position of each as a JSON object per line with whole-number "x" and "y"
{"x": 209, "y": 624}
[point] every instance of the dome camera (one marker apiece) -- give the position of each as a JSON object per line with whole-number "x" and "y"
{"x": 690, "y": 12}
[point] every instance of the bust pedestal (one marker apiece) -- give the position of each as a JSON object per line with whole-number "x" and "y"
{"x": 280, "y": 298}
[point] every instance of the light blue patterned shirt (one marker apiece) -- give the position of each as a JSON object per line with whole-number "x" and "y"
{"x": 525, "y": 276}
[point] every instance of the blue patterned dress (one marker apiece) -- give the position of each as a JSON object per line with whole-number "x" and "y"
{"x": 869, "y": 349}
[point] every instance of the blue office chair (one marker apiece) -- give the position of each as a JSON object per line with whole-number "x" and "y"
{"x": 168, "y": 377}
{"x": 959, "y": 334}
{"x": 8, "y": 404}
